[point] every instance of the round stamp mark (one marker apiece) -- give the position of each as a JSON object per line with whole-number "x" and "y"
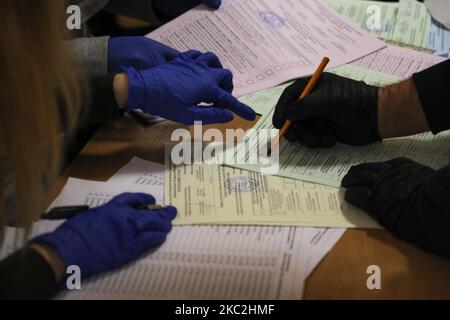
{"x": 241, "y": 184}
{"x": 272, "y": 18}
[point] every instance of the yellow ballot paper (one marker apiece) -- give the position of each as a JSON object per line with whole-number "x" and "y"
{"x": 213, "y": 194}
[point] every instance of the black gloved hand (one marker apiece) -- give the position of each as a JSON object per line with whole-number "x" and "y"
{"x": 338, "y": 109}
{"x": 388, "y": 191}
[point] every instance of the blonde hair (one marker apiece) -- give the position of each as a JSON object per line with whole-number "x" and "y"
{"x": 37, "y": 77}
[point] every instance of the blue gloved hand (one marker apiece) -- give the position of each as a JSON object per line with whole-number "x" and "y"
{"x": 110, "y": 236}
{"x": 137, "y": 52}
{"x": 174, "y": 90}
{"x": 214, "y": 4}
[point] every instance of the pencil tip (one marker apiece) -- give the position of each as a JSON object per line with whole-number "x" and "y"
{"x": 269, "y": 152}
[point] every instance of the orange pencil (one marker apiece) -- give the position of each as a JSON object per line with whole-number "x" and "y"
{"x": 315, "y": 77}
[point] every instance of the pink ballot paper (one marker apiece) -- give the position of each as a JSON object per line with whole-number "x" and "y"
{"x": 265, "y": 43}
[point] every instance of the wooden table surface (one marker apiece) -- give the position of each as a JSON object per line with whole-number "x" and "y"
{"x": 406, "y": 272}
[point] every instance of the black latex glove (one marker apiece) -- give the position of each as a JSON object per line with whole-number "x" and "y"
{"x": 392, "y": 192}
{"x": 337, "y": 110}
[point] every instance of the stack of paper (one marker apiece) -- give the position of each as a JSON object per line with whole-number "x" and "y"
{"x": 265, "y": 43}
{"x": 210, "y": 262}
{"x": 406, "y": 22}
{"x": 264, "y": 255}
{"x": 196, "y": 262}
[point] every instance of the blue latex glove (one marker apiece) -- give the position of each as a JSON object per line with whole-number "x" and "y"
{"x": 110, "y": 236}
{"x": 174, "y": 90}
{"x": 214, "y": 4}
{"x": 137, "y": 52}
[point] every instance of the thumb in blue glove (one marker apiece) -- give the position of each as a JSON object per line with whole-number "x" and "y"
{"x": 175, "y": 90}
{"x": 137, "y": 52}
{"x": 110, "y": 236}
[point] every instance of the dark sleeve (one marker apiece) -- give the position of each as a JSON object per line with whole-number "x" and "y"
{"x": 433, "y": 87}
{"x": 102, "y": 105}
{"x": 430, "y": 214}
{"x": 26, "y": 275}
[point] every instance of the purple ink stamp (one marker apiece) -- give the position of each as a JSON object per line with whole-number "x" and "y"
{"x": 272, "y": 18}
{"x": 241, "y": 184}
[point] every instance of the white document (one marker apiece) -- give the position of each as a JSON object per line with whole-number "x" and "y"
{"x": 140, "y": 171}
{"x": 240, "y": 262}
{"x": 439, "y": 40}
{"x": 209, "y": 262}
{"x": 320, "y": 241}
{"x": 95, "y": 193}
{"x": 265, "y": 43}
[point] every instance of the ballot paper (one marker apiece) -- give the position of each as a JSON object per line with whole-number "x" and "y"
{"x": 199, "y": 262}
{"x": 439, "y": 40}
{"x": 406, "y": 22}
{"x": 375, "y": 17}
{"x": 237, "y": 262}
{"x": 96, "y": 193}
{"x": 265, "y": 43}
{"x": 413, "y": 24}
{"x": 320, "y": 241}
{"x": 262, "y": 102}
{"x": 371, "y": 77}
{"x": 398, "y": 61}
{"x": 328, "y": 166}
{"x": 384, "y": 67}
{"x": 223, "y": 195}
{"x": 140, "y": 171}
{"x": 207, "y": 262}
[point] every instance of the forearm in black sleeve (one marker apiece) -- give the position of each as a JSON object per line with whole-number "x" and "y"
{"x": 26, "y": 275}
{"x": 98, "y": 103}
{"x": 433, "y": 87}
{"x": 429, "y": 216}
{"x": 101, "y": 105}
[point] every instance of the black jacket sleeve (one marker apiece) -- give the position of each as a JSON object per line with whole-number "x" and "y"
{"x": 98, "y": 103}
{"x": 102, "y": 102}
{"x": 433, "y": 87}
{"x": 26, "y": 275}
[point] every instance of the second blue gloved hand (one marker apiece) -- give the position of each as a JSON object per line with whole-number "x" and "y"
{"x": 110, "y": 236}
{"x": 175, "y": 90}
{"x": 137, "y": 52}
